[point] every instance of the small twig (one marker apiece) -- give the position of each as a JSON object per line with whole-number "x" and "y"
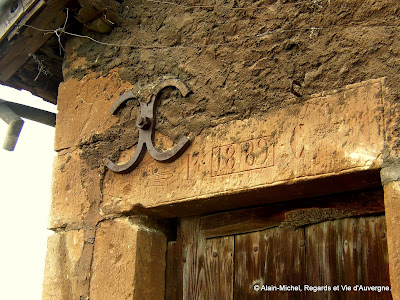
{"x": 59, "y": 31}
{"x": 41, "y": 67}
{"x": 66, "y": 19}
{"x": 107, "y": 20}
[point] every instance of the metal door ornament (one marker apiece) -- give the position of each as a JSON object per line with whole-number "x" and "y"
{"x": 146, "y": 124}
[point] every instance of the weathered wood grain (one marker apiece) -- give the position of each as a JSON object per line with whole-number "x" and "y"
{"x": 350, "y": 252}
{"x": 171, "y": 273}
{"x": 13, "y": 17}
{"x": 293, "y": 213}
{"x": 28, "y": 77}
{"x": 180, "y": 261}
{"x": 17, "y": 53}
{"x": 241, "y": 221}
{"x": 344, "y": 252}
{"x": 193, "y": 256}
{"x": 273, "y": 256}
{"x": 26, "y": 18}
{"x": 208, "y": 264}
{"x": 219, "y": 268}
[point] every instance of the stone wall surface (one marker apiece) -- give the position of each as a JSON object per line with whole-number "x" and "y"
{"x": 249, "y": 132}
{"x": 83, "y": 107}
{"x": 64, "y": 252}
{"x": 392, "y": 208}
{"x": 333, "y": 133}
{"x": 330, "y": 134}
{"x": 128, "y": 262}
{"x": 239, "y": 57}
{"x": 70, "y": 205}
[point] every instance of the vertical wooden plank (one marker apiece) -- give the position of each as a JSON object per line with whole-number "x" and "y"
{"x": 352, "y": 254}
{"x": 180, "y": 263}
{"x": 374, "y": 255}
{"x": 271, "y": 257}
{"x": 247, "y": 269}
{"x": 319, "y": 270}
{"x": 382, "y": 256}
{"x": 207, "y": 264}
{"x": 171, "y": 276}
{"x": 193, "y": 255}
{"x": 351, "y": 251}
{"x": 219, "y": 268}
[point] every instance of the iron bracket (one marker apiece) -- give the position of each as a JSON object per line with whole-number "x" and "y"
{"x": 146, "y": 124}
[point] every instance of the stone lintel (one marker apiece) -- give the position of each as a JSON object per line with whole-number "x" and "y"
{"x": 314, "y": 187}
{"x": 302, "y": 150}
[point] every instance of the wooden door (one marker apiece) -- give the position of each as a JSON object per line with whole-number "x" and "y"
{"x": 283, "y": 261}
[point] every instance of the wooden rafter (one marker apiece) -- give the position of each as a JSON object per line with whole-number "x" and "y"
{"x": 18, "y": 51}
{"x": 9, "y": 18}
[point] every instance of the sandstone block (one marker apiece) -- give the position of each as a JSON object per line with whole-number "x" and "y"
{"x": 333, "y": 133}
{"x": 69, "y": 203}
{"x": 64, "y": 251}
{"x": 392, "y": 214}
{"x": 392, "y": 128}
{"x": 84, "y": 106}
{"x": 128, "y": 262}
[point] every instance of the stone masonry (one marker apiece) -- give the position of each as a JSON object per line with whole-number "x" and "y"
{"x": 250, "y": 135}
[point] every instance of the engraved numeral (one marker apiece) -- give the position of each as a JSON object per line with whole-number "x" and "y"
{"x": 230, "y": 159}
{"x": 250, "y": 157}
{"x": 296, "y": 141}
{"x": 241, "y": 157}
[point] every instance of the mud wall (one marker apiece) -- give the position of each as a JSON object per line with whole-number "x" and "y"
{"x": 239, "y": 59}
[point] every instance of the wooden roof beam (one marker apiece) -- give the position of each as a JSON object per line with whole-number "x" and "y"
{"x": 17, "y": 52}
{"x": 11, "y": 12}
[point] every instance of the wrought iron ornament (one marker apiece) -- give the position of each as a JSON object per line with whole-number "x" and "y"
{"x": 146, "y": 124}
